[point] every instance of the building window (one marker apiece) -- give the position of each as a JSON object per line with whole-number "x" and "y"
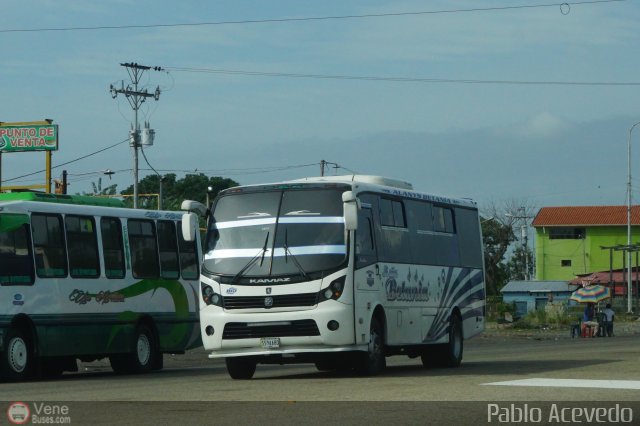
{"x": 565, "y": 262}
{"x": 565, "y": 233}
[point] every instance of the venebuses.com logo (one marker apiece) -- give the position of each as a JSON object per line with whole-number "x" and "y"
{"x": 18, "y": 413}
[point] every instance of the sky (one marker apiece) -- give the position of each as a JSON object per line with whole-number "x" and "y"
{"x": 472, "y": 99}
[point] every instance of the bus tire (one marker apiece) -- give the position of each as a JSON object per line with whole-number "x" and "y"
{"x": 240, "y": 368}
{"x": 142, "y": 359}
{"x": 18, "y": 356}
{"x": 448, "y": 355}
{"x": 373, "y": 361}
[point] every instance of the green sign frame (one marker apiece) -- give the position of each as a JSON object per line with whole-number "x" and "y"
{"x": 21, "y": 138}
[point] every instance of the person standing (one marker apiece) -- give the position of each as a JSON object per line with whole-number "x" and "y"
{"x": 609, "y": 315}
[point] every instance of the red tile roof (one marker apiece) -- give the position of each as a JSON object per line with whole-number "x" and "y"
{"x": 586, "y": 216}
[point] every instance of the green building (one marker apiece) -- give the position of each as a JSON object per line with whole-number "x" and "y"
{"x": 577, "y": 240}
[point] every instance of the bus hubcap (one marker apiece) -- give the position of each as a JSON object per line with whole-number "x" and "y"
{"x": 17, "y": 352}
{"x": 375, "y": 346}
{"x": 144, "y": 349}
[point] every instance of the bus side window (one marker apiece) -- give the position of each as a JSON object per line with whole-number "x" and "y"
{"x": 82, "y": 245}
{"x": 49, "y": 247}
{"x": 168, "y": 250}
{"x": 365, "y": 249}
{"x": 112, "y": 247}
{"x": 144, "y": 249}
{"x": 188, "y": 257}
{"x": 443, "y": 220}
{"x": 15, "y": 250}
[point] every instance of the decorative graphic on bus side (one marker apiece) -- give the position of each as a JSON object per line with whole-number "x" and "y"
{"x": 370, "y": 280}
{"x": 82, "y": 297}
{"x": 413, "y": 289}
{"x": 462, "y": 290}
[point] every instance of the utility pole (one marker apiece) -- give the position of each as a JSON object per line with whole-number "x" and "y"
{"x": 136, "y": 98}
{"x": 324, "y": 164}
{"x": 629, "y": 282}
{"x": 524, "y": 235}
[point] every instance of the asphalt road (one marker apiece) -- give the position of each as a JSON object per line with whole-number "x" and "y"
{"x": 193, "y": 389}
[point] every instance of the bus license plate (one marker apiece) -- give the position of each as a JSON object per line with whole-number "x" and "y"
{"x": 270, "y": 342}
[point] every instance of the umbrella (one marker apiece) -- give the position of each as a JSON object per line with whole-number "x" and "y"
{"x": 591, "y": 294}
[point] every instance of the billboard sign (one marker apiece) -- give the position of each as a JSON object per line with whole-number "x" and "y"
{"x": 20, "y": 138}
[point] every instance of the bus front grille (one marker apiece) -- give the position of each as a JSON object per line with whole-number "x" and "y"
{"x": 282, "y": 301}
{"x": 248, "y": 330}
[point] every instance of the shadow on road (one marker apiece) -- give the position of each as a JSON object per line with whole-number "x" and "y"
{"x": 489, "y": 368}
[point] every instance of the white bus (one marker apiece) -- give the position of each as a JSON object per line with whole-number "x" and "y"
{"x": 338, "y": 271}
{"x": 80, "y": 281}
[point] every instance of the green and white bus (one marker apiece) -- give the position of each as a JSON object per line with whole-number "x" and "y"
{"x": 85, "y": 278}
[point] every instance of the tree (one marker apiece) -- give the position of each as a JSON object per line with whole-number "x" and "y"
{"x": 191, "y": 187}
{"x": 497, "y": 237}
{"x": 99, "y": 190}
{"x": 517, "y": 264}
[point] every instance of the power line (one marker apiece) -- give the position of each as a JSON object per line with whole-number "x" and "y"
{"x": 564, "y": 8}
{"x": 242, "y": 171}
{"x": 404, "y": 79}
{"x": 69, "y": 162}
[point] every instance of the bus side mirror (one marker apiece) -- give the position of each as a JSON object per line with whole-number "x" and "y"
{"x": 190, "y": 206}
{"x": 190, "y": 226}
{"x": 350, "y": 204}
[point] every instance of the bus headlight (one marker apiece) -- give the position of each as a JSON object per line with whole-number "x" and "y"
{"x": 334, "y": 291}
{"x": 209, "y": 296}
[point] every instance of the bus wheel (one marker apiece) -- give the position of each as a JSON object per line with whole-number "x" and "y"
{"x": 142, "y": 359}
{"x": 449, "y": 354}
{"x": 18, "y": 357}
{"x": 373, "y": 361}
{"x": 240, "y": 368}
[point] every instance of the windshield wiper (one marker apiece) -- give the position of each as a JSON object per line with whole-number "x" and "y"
{"x": 253, "y": 260}
{"x": 295, "y": 261}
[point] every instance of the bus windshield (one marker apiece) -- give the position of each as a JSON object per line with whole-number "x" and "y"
{"x": 277, "y": 233}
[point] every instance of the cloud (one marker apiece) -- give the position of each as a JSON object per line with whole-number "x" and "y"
{"x": 542, "y": 125}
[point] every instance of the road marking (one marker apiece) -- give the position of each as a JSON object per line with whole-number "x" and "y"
{"x": 572, "y": 383}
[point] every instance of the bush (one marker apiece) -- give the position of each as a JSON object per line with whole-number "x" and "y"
{"x": 553, "y": 316}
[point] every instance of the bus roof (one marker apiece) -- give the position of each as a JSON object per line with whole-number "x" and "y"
{"x": 86, "y": 200}
{"x": 367, "y": 183}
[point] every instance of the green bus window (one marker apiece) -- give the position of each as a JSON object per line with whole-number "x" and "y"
{"x": 16, "y": 256}
{"x": 188, "y": 257}
{"x": 168, "y": 245}
{"x": 48, "y": 244}
{"x": 82, "y": 246}
{"x": 144, "y": 249}
{"x": 112, "y": 247}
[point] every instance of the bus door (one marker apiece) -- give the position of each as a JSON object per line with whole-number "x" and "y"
{"x": 367, "y": 281}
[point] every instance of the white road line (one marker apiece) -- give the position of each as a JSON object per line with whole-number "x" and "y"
{"x": 572, "y": 383}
